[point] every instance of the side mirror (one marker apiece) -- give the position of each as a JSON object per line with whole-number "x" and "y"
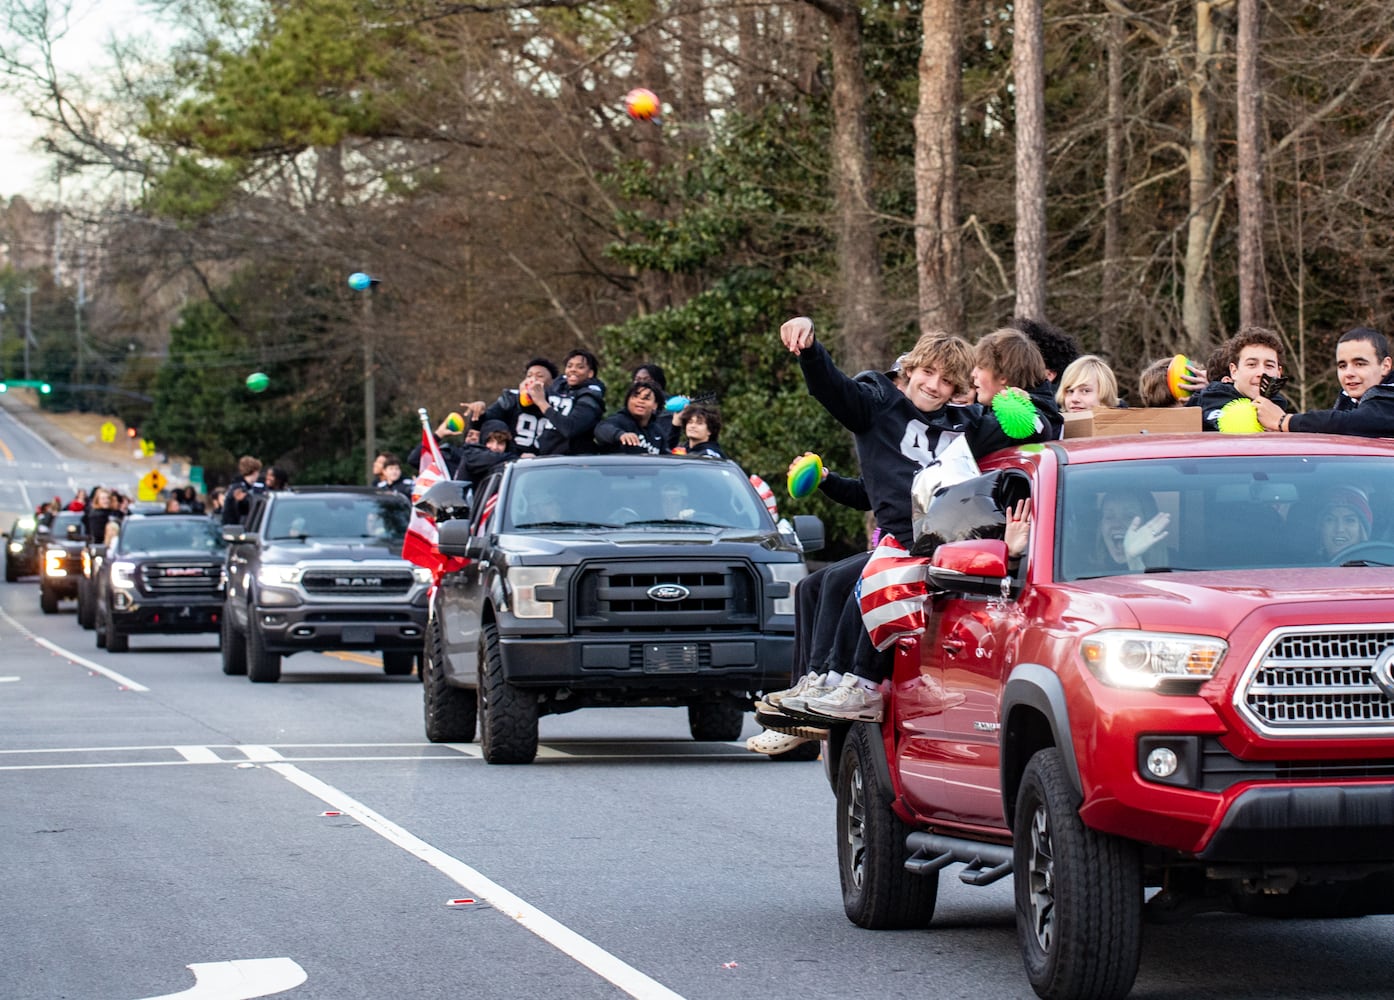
{"x": 447, "y": 500}
{"x": 974, "y": 567}
{"x": 809, "y": 530}
{"x": 454, "y": 538}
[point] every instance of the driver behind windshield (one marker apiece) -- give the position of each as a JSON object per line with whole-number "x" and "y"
{"x": 1345, "y": 519}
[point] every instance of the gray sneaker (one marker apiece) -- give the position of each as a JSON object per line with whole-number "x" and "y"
{"x": 798, "y": 703}
{"x": 849, "y": 700}
{"x": 806, "y": 683}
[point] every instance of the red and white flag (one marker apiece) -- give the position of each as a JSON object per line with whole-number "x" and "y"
{"x": 766, "y": 495}
{"x": 419, "y": 545}
{"x": 892, "y": 593}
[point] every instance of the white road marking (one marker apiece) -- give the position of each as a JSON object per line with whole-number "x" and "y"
{"x": 72, "y": 657}
{"x": 198, "y": 755}
{"x": 8, "y": 680}
{"x": 624, "y": 976}
{"x": 241, "y": 979}
{"x": 260, "y": 754}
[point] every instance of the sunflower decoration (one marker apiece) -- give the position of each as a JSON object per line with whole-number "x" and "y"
{"x": 1015, "y": 413}
{"x": 1239, "y": 416}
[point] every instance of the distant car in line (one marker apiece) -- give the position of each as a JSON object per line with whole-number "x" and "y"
{"x": 21, "y": 549}
{"x": 61, "y": 568}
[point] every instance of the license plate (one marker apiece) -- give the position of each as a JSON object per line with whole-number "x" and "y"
{"x": 359, "y": 633}
{"x": 670, "y": 658}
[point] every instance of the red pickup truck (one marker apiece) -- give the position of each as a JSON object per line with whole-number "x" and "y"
{"x": 1206, "y": 725}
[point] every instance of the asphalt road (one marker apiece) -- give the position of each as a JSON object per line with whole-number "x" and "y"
{"x": 301, "y": 839}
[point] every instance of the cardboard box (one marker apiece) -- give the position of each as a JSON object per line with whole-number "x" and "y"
{"x": 1103, "y": 422}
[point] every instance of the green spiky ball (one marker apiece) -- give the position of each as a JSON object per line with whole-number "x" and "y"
{"x": 1015, "y": 413}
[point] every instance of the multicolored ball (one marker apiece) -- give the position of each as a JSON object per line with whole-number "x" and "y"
{"x": 641, "y": 104}
{"x": 1177, "y": 372}
{"x": 258, "y": 381}
{"x": 804, "y": 476}
{"x": 1015, "y": 413}
{"x": 676, "y": 404}
{"x": 1239, "y": 416}
{"x": 454, "y": 423}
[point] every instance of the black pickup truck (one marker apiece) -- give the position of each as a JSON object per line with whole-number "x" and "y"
{"x": 617, "y": 580}
{"x": 61, "y": 566}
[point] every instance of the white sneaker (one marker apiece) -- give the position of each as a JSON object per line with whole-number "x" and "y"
{"x": 849, "y": 700}
{"x": 808, "y": 682}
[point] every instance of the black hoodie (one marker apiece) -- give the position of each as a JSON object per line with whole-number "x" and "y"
{"x": 1213, "y": 398}
{"x": 569, "y": 426}
{"x": 1370, "y": 416}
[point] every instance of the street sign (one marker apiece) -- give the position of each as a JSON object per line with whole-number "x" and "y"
{"x": 150, "y": 485}
{"x": 108, "y": 431}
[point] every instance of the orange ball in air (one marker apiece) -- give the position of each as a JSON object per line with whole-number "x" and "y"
{"x": 641, "y": 104}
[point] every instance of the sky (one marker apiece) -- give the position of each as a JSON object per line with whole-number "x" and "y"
{"x": 92, "y": 23}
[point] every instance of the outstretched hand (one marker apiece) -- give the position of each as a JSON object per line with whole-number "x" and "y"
{"x": 1018, "y": 531}
{"x": 797, "y": 334}
{"x": 1140, "y": 537}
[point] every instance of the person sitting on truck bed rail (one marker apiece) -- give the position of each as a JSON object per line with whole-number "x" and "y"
{"x": 635, "y": 428}
{"x": 1362, "y": 364}
{"x": 1004, "y": 360}
{"x": 1253, "y": 352}
{"x": 524, "y": 420}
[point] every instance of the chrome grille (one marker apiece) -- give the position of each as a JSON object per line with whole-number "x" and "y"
{"x": 192, "y": 579}
{"x": 357, "y": 582}
{"x": 1320, "y": 683}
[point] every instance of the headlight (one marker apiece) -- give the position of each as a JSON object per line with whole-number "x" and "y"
{"x": 122, "y": 574}
{"x": 421, "y": 574}
{"x": 279, "y": 576}
{"x": 524, "y": 581}
{"x": 790, "y": 573}
{"x": 53, "y": 562}
{"x": 16, "y": 546}
{"x": 1148, "y": 660}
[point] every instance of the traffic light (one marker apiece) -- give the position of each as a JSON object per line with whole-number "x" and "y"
{"x": 45, "y": 388}
{"x": 26, "y": 383}
{"x": 131, "y": 432}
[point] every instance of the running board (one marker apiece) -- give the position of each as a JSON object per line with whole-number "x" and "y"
{"x": 933, "y": 852}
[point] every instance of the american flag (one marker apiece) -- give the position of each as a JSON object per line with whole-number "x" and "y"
{"x": 419, "y": 545}
{"x": 891, "y": 593}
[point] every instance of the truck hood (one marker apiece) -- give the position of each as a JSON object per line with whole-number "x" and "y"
{"x": 580, "y": 545}
{"x": 330, "y": 550}
{"x": 1215, "y": 602}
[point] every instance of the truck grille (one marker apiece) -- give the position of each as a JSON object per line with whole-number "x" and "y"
{"x": 714, "y": 596}
{"x": 357, "y": 582}
{"x": 184, "y": 579}
{"x": 1320, "y": 683}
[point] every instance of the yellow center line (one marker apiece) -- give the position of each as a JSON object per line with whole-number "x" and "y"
{"x": 9, "y": 455}
{"x": 340, "y": 654}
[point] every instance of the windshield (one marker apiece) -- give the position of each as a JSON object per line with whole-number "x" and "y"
{"x": 1224, "y": 513}
{"x": 159, "y": 534}
{"x": 646, "y": 494}
{"x": 382, "y": 518}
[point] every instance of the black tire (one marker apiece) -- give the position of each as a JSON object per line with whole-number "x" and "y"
{"x": 85, "y": 609}
{"x": 715, "y": 721}
{"x": 262, "y": 667}
{"x": 116, "y": 640}
{"x": 398, "y": 662}
{"x": 1078, "y": 892}
{"x": 234, "y": 647}
{"x": 11, "y": 574}
{"x": 507, "y": 714}
{"x": 877, "y": 892}
{"x": 99, "y": 628}
{"x": 48, "y": 600}
{"x": 451, "y": 712}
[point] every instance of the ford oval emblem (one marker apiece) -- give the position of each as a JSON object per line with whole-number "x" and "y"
{"x": 668, "y": 592}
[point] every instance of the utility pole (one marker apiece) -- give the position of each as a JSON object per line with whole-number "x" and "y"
{"x": 28, "y": 291}
{"x": 78, "y": 303}
{"x": 361, "y": 282}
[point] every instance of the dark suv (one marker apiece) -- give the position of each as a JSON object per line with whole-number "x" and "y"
{"x": 320, "y": 568}
{"x": 162, "y": 573}
{"x": 609, "y": 580}
{"x": 61, "y": 566}
{"x": 21, "y": 549}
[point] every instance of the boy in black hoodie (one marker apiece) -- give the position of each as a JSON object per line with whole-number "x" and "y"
{"x": 1366, "y": 406}
{"x": 571, "y": 407}
{"x": 1004, "y": 361}
{"x": 1253, "y": 353}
